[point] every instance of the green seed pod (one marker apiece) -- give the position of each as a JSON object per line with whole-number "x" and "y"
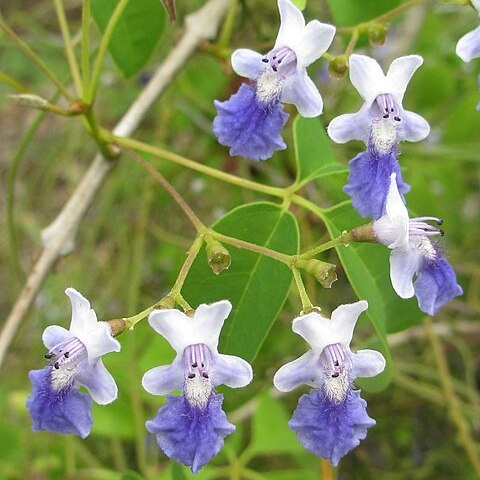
{"x": 218, "y": 256}
{"x": 338, "y": 66}
{"x": 377, "y": 33}
{"x": 322, "y": 271}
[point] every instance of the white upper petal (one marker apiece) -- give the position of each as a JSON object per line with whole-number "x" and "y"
{"x": 247, "y": 63}
{"x": 302, "y": 371}
{"x": 367, "y": 363}
{"x": 84, "y": 318}
{"x": 351, "y": 126}
{"x": 303, "y": 93}
{"x": 476, "y": 4}
{"x": 98, "y": 381}
{"x": 312, "y": 42}
{"x": 230, "y": 370}
{"x": 403, "y": 265}
{"x": 54, "y": 335}
{"x": 166, "y": 378}
{"x": 392, "y": 228}
{"x": 468, "y": 47}
{"x": 367, "y": 77}
{"x": 400, "y": 73}
{"x": 96, "y": 336}
{"x": 292, "y": 24}
{"x": 182, "y": 331}
{"x": 316, "y": 330}
{"x": 344, "y": 319}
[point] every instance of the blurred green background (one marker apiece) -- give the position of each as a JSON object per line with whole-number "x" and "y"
{"x": 133, "y": 240}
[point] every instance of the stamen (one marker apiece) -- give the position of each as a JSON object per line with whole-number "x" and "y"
{"x": 336, "y": 368}
{"x": 198, "y": 387}
{"x": 419, "y": 228}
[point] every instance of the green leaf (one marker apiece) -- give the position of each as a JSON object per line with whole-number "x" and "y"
{"x": 136, "y": 34}
{"x": 256, "y": 285}
{"x": 348, "y": 13}
{"x": 270, "y": 429}
{"x": 313, "y": 151}
{"x": 368, "y": 270}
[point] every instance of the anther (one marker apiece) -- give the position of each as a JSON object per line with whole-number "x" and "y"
{"x": 442, "y": 233}
{"x": 386, "y": 116}
{"x": 49, "y": 355}
{"x": 398, "y": 119}
{"x": 194, "y": 365}
{"x": 191, "y": 375}
{"x": 66, "y": 354}
{"x": 274, "y": 68}
{"x": 440, "y": 221}
{"x": 265, "y": 60}
{"x": 205, "y": 375}
{"x": 56, "y": 365}
{"x": 335, "y": 375}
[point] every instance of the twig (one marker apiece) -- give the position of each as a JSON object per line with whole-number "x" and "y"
{"x": 59, "y": 236}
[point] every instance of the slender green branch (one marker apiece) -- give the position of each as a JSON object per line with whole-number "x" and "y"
{"x": 396, "y": 11}
{"x": 70, "y": 54}
{"x": 197, "y": 223}
{"x": 450, "y": 396}
{"x": 191, "y": 255}
{"x": 192, "y": 165}
{"x": 267, "y": 252}
{"x": 96, "y": 132}
{"x": 352, "y": 43}
{"x": 11, "y": 82}
{"x": 227, "y": 27}
{"x": 102, "y": 50}
{"x": 306, "y": 303}
{"x": 86, "y": 47}
{"x": 34, "y": 58}
{"x": 344, "y": 239}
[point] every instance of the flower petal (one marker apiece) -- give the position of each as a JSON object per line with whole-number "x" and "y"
{"x": 367, "y": 77}
{"x": 84, "y": 318}
{"x": 303, "y": 93}
{"x": 305, "y": 370}
{"x": 164, "y": 379}
{"x": 316, "y": 330}
{"x": 468, "y": 47}
{"x": 403, "y": 265}
{"x": 351, "y": 126}
{"x": 313, "y": 42}
{"x": 208, "y": 322}
{"x": 291, "y": 24}
{"x": 344, "y": 319}
{"x": 54, "y": 335}
{"x": 367, "y": 363}
{"x": 98, "y": 381}
{"x": 400, "y": 73}
{"x": 476, "y": 5}
{"x": 230, "y": 370}
{"x": 247, "y": 63}
{"x": 174, "y": 326}
{"x": 99, "y": 341}
{"x": 413, "y": 128}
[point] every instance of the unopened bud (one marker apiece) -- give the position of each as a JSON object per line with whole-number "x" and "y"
{"x": 33, "y": 101}
{"x": 364, "y": 233}
{"x": 377, "y": 33}
{"x": 338, "y": 66}
{"x": 322, "y": 271}
{"x": 218, "y": 256}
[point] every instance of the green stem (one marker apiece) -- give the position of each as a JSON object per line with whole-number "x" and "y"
{"x": 306, "y": 303}
{"x": 267, "y": 252}
{"x": 344, "y": 239}
{"x": 191, "y": 255}
{"x": 86, "y": 47}
{"x": 96, "y": 133}
{"x": 11, "y": 82}
{"x": 197, "y": 223}
{"x": 227, "y": 28}
{"x": 352, "y": 43}
{"x": 395, "y": 11}
{"x": 102, "y": 50}
{"x": 451, "y": 398}
{"x": 72, "y": 60}
{"x": 35, "y": 59}
{"x": 192, "y": 165}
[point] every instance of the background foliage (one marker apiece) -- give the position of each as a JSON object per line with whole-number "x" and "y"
{"x": 133, "y": 242}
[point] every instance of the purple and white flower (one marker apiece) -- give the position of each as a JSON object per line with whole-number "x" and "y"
{"x": 413, "y": 253}
{"x": 56, "y": 403}
{"x": 468, "y": 47}
{"x": 332, "y": 419}
{"x": 381, "y": 123}
{"x": 191, "y": 428}
{"x": 251, "y": 121}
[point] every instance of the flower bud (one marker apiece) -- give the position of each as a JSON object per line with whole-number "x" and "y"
{"x": 338, "y": 66}
{"x": 377, "y": 33}
{"x": 324, "y": 272}
{"x": 218, "y": 256}
{"x": 117, "y": 326}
